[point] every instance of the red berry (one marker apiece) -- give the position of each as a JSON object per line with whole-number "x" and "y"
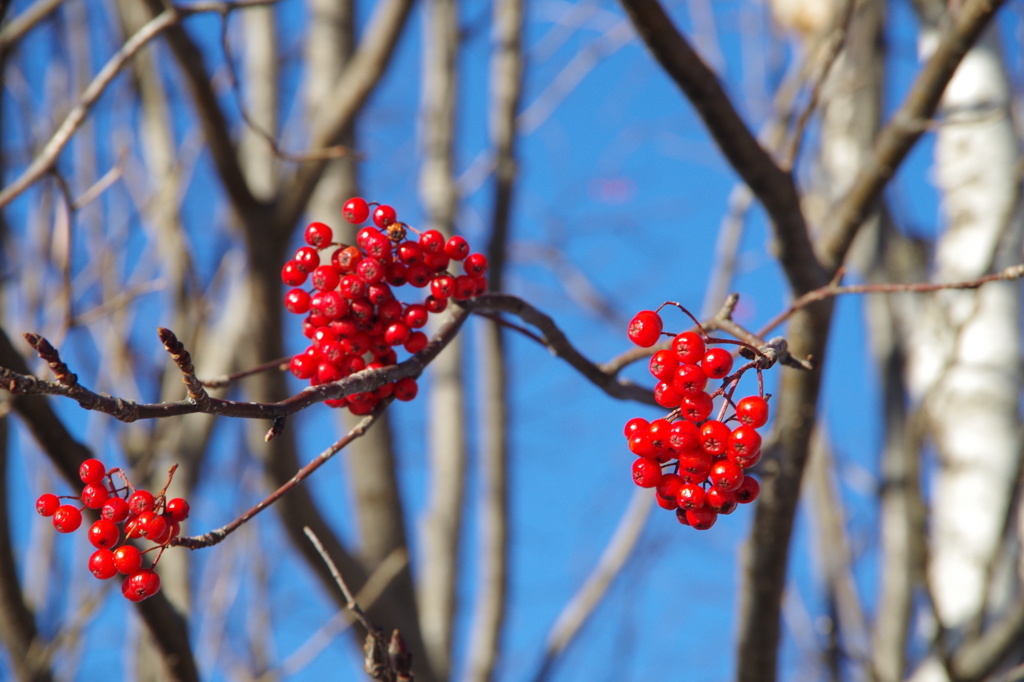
{"x": 645, "y": 328}
{"x": 464, "y": 288}
{"x": 714, "y": 437}
{"x": 665, "y": 502}
{"x": 352, "y": 287}
{"x": 752, "y": 411}
{"x": 371, "y": 270}
{"x": 178, "y": 509}
{"x": 133, "y": 527}
{"x": 432, "y": 241}
{"x": 318, "y": 235}
{"x": 419, "y": 275}
{"x": 410, "y": 253}
{"x": 689, "y": 346}
{"x": 397, "y": 334}
{"x": 442, "y": 286}
{"x": 683, "y": 436}
{"x": 396, "y": 275}
{"x": 641, "y": 445}
{"x": 694, "y": 465}
{"x": 744, "y": 442}
{"x": 306, "y": 259}
{"x": 697, "y": 407}
{"x": 345, "y": 260}
{"x": 681, "y": 516}
{"x": 480, "y": 286}
{"x": 415, "y": 316}
{"x": 748, "y": 491}
{"x": 325, "y": 278}
{"x": 355, "y": 210}
{"x": 457, "y": 248}
{"x": 67, "y": 519}
{"x": 327, "y": 371}
{"x": 436, "y": 262}
{"x": 94, "y": 495}
{"x": 635, "y": 424}
{"x": 690, "y": 496}
{"x": 127, "y": 559}
{"x": 291, "y": 275}
{"x": 745, "y": 462}
{"x": 658, "y": 431}
{"x": 717, "y": 363}
{"x": 723, "y": 502}
{"x": 663, "y": 365}
{"x": 101, "y": 564}
{"x": 406, "y": 389}
{"x": 435, "y": 305}
{"x": 383, "y": 216}
{"x": 330, "y": 304}
{"x": 47, "y": 504}
{"x": 702, "y": 518}
{"x": 141, "y": 501}
{"x": 475, "y": 264}
{"x": 115, "y": 509}
{"x": 666, "y": 396}
{"x": 104, "y": 534}
{"x": 160, "y": 531}
{"x": 669, "y": 486}
{"x": 92, "y": 471}
{"x": 297, "y": 301}
{"x": 725, "y": 475}
{"x": 646, "y": 472}
{"x": 689, "y": 379}
{"x": 303, "y": 366}
{"x": 141, "y": 585}
{"x": 417, "y": 342}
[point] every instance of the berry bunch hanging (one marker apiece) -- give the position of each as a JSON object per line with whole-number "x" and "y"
{"x": 353, "y": 320}
{"x": 125, "y": 514}
{"x": 696, "y": 465}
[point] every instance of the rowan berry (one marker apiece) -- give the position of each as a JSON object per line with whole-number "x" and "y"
{"x": 115, "y": 509}
{"x": 681, "y": 516}
{"x": 669, "y": 486}
{"x": 133, "y": 527}
{"x": 641, "y": 445}
{"x": 141, "y": 501}
{"x": 306, "y": 259}
{"x": 689, "y": 379}
{"x": 92, "y": 471}
{"x": 752, "y": 411}
{"x": 696, "y": 407}
{"x": 178, "y": 508}
{"x": 748, "y": 491}
{"x": 723, "y": 502}
{"x": 127, "y": 559}
{"x": 744, "y": 442}
{"x": 371, "y": 270}
{"x": 397, "y": 275}
{"x": 47, "y": 504}
{"x": 406, "y": 389}
{"x": 383, "y": 216}
{"x": 646, "y": 472}
{"x": 435, "y": 305}
{"x": 659, "y": 431}
{"x": 663, "y": 365}
{"x": 690, "y": 496}
{"x": 417, "y": 342}
{"x": 101, "y": 564}
{"x": 694, "y": 465}
{"x": 67, "y": 519}
{"x": 432, "y": 241}
{"x": 419, "y": 275}
{"x": 355, "y": 210}
{"x": 379, "y": 293}
{"x": 442, "y": 286}
{"x": 665, "y": 395}
{"x": 683, "y": 436}
{"x": 635, "y": 424}
{"x": 397, "y": 334}
{"x": 725, "y": 475}
{"x": 318, "y": 235}
{"x": 161, "y": 532}
{"x": 346, "y": 259}
{"x": 297, "y": 301}
{"x": 665, "y": 502}
{"x": 104, "y": 534}
{"x": 94, "y": 495}
{"x": 475, "y": 264}
{"x": 717, "y": 363}
{"x": 464, "y": 288}
{"x": 479, "y": 286}
{"x": 327, "y": 371}
{"x": 702, "y": 518}
{"x": 714, "y": 437}
{"x": 141, "y": 585}
{"x": 325, "y": 278}
{"x": 456, "y": 248}
{"x": 410, "y": 253}
{"x": 645, "y": 328}
{"x": 689, "y": 346}
{"x": 415, "y": 316}
{"x": 436, "y": 262}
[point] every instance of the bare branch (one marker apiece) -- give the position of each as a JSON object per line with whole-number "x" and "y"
{"x": 181, "y": 357}
{"x": 280, "y": 365}
{"x": 773, "y": 187}
{"x": 20, "y": 25}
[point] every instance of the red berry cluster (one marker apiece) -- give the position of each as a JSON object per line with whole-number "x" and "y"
{"x": 143, "y": 514}
{"x": 353, "y": 320}
{"x": 695, "y": 464}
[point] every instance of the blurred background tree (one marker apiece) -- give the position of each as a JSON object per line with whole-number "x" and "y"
{"x": 159, "y": 164}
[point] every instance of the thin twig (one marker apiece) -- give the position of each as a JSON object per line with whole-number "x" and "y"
{"x": 350, "y": 602}
{"x": 281, "y": 364}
